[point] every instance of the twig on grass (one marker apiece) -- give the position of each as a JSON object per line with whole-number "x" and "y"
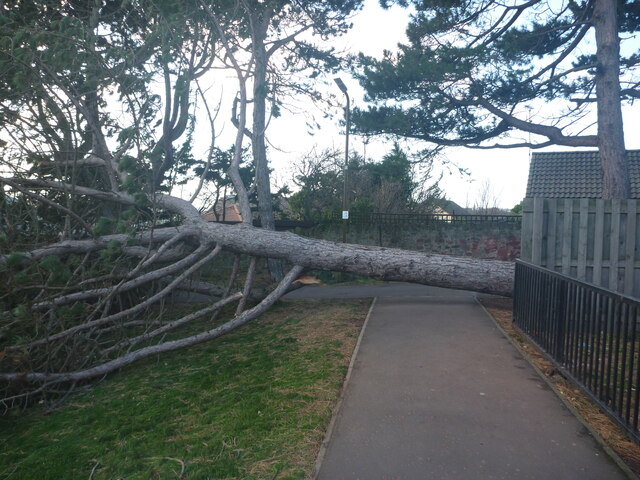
{"x": 93, "y": 470}
{"x": 181, "y": 462}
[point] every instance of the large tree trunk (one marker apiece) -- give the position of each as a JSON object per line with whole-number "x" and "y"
{"x": 487, "y": 276}
{"x": 613, "y": 157}
{"x": 464, "y": 273}
{"x": 260, "y": 24}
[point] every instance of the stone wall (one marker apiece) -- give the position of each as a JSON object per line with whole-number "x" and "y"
{"x": 492, "y": 240}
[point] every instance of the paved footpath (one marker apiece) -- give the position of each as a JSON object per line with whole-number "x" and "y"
{"x": 438, "y": 393}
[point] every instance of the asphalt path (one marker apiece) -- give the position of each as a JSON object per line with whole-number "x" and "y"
{"x": 374, "y": 291}
{"x": 436, "y": 391}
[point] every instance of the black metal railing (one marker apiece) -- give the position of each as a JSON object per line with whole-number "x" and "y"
{"x": 392, "y": 219}
{"x": 421, "y": 219}
{"x": 590, "y": 333}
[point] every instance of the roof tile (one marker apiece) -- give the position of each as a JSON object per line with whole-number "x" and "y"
{"x": 574, "y": 174}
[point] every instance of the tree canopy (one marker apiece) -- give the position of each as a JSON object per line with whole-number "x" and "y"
{"x": 475, "y": 72}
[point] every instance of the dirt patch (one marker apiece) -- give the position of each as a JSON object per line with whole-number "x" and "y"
{"x": 613, "y": 436}
{"x": 332, "y": 322}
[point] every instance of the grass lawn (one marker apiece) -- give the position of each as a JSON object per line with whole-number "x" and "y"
{"x": 251, "y": 405}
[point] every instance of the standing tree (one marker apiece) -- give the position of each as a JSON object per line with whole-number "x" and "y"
{"x": 273, "y": 48}
{"x": 319, "y": 179}
{"x": 471, "y": 69}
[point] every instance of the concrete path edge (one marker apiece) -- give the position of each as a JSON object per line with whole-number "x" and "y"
{"x": 337, "y": 407}
{"x": 612, "y": 454}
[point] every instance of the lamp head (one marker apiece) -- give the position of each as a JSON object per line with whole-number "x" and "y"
{"x": 341, "y": 85}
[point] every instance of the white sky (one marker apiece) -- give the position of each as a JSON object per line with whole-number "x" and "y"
{"x": 374, "y": 30}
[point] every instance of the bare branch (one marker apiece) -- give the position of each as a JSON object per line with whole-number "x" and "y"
{"x": 248, "y": 284}
{"x": 196, "y": 286}
{"x": 211, "y": 146}
{"x": 554, "y": 134}
{"x": 234, "y": 169}
{"x": 133, "y": 310}
{"x": 118, "y": 363}
{"x": 69, "y": 247}
{"x": 138, "y": 280}
{"x": 122, "y": 198}
{"x": 94, "y": 125}
{"x": 92, "y": 160}
{"x": 175, "y": 324}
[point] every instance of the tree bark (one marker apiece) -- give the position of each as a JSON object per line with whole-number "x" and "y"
{"x": 259, "y": 24}
{"x": 613, "y": 156}
{"x": 487, "y": 276}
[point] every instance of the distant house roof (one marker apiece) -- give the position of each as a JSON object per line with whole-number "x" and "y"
{"x": 231, "y": 213}
{"x": 450, "y": 207}
{"x": 574, "y": 174}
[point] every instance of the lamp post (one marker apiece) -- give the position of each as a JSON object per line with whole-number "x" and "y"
{"x": 345, "y": 203}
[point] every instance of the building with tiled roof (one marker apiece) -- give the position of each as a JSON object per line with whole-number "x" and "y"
{"x": 227, "y": 212}
{"x": 574, "y": 174}
{"x": 449, "y": 207}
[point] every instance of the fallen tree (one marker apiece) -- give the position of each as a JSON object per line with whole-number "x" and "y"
{"x": 93, "y": 244}
{"x": 100, "y": 339}
{"x": 487, "y": 276}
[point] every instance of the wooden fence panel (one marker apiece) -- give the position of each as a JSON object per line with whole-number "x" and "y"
{"x": 598, "y": 244}
{"x": 614, "y": 242}
{"x": 552, "y": 238}
{"x": 593, "y": 240}
{"x": 566, "y": 234}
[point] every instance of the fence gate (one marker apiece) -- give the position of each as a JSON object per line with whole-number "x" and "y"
{"x": 592, "y": 240}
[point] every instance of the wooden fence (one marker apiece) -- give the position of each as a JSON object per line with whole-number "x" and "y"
{"x": 594, "y": 241}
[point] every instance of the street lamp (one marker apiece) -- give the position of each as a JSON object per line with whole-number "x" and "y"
{"x": 345, "y": 204}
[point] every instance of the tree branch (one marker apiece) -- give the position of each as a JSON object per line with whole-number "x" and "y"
{"x": 118, "y": 363}
{"x": 554, "y": 134}
{"x": 51, "y": 203}
{"x": 175, "y": 324}
{"x": 234, "y": 169}
{"x": 124, "y": 286}
{"x": 69, "y": 247}
{"x": 122, "y": 198}
{"x": 130, "y": 311}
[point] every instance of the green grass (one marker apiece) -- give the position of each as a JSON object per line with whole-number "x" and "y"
{"x": 251, "y": 405}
